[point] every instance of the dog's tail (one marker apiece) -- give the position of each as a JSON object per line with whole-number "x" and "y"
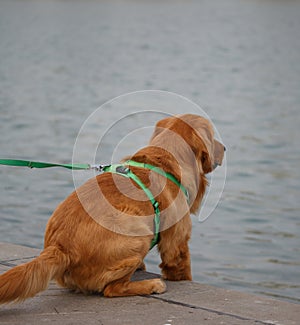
{"x": 26, "y": 280}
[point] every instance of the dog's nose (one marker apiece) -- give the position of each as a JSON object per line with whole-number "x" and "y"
{"x": 224, "y": 148}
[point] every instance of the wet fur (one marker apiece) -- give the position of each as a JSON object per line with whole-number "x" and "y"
{"x": 83, "y": 255}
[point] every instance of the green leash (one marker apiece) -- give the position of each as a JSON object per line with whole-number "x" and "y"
{"x": 38, "y": 164}
{"x": 120, "y": 169}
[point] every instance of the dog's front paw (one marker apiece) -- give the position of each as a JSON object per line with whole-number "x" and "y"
{"x": 176, "y": 274}
{"x": 177, "y": 277}
{"x": 159, "y": 286}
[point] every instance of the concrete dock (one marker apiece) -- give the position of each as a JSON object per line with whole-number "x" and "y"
{"x": 183, "y": 303}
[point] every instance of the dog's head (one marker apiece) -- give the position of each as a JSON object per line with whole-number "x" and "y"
{"x": 198, "y": 133}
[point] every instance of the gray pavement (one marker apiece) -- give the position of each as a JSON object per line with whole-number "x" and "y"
{"x": 183, "y": 303}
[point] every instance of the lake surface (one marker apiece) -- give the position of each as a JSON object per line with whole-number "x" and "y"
{"x": 237, "y": 59}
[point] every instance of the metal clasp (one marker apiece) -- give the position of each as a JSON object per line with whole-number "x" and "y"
{"x": 122, "y": 170}
{"x": 98, "y": 168}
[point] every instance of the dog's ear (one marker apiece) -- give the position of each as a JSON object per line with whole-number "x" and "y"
{"x": 207, "y": 160}
{"x": 206, "y": 147}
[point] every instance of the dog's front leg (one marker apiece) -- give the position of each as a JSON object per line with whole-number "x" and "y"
{"x": 176, "y": 263}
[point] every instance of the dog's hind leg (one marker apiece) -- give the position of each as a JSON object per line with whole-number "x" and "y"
{"x": 120, "y": 284}
{"x": 125, "y": 287}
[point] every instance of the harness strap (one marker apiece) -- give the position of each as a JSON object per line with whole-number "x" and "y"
{"x": 159, "y": 171}
{"x": 123, "y": 170}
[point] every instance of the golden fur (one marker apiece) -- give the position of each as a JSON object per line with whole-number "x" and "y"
{"x": 99, "y": 236}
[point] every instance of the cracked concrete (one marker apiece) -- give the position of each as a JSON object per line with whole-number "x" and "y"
{"x": 183, "y": 303}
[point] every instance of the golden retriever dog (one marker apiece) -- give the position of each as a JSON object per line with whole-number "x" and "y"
{"x": 99, "y": 235}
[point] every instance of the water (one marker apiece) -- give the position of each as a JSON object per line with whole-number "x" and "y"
{"x": 239, "y": 60}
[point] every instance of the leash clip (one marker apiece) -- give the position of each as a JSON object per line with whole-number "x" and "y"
{"x": 98, "y": 168}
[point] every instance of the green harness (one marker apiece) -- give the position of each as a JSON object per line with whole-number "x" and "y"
{"x": 120, "y": 169}
{"x": 124, "y": 170}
